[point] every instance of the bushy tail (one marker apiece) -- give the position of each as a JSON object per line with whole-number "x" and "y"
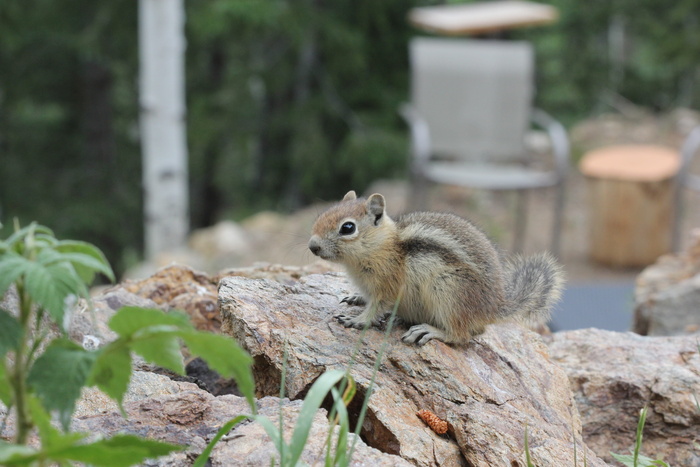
{"x": 533, "y": 285}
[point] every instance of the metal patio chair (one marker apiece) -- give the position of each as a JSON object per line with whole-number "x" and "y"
{"x": 471, "y": 106}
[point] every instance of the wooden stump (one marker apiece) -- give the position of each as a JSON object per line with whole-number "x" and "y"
{"x": 631, "y": 202}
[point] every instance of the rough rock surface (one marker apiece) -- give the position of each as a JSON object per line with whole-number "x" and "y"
{"x": 181, "y": 287}
{"x": 181, "y": 413}
{"x": 284, "y": 274}
{"x": 614, "y": 375}
{"x": 143, "y": 385}
{"x": 667, "y": 296}
{"x": 489, "y": 391}
{"x": 88, "y": 325}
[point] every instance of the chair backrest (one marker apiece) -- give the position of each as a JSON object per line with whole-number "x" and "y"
{"x": 476, "y": 95}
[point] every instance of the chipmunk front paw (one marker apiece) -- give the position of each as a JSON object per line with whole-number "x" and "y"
{"x": 352, "y": 321}
{"x": 357, "y": 300}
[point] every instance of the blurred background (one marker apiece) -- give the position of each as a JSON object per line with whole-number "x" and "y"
{"x": 291, "y": 102}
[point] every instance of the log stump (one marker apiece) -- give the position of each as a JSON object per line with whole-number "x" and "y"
{"x": 630, "y": 191}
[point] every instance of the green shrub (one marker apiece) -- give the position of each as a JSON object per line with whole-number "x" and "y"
{"x": 41, "y": 374}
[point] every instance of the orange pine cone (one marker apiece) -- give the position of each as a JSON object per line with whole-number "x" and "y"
{"x": 435, "y": 423}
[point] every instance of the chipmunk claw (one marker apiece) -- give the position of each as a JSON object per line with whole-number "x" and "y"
{"x": 355, "y": 300}
{"x": 421, "y": 334}
{"x": 351, "y": 321}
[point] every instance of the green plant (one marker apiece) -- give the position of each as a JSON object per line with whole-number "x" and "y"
{"x": 697, "y": 403}
{"x": 528, "y": 459}
{"x": 636, "y": 459}
{"x": 41, "y": 373}
{"x": 290, "y": 453}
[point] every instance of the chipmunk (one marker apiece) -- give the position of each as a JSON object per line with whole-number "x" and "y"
{"x": 445, "y": 274}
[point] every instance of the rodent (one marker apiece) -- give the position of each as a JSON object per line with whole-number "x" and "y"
{"x": 447, "y": 276}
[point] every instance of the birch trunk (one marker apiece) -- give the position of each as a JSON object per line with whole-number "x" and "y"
{"x": 164, "y": 147}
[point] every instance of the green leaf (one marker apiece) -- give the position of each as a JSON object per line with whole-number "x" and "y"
{"x": 86, "y": 259}
{"x": 162, "y": 349}
{"x": 640, "y": 432}
{"x": 224, "y": 356}
{"x": 528, "y": 459}
{"x": 62, "y": 270}
{"x": 51, "y": 438}
{"x": 58, "y": 376}
{"x": 42, "y": 420}
{"x": 86, "y": 266}
{"x": 642, "y": 461}
{"x": 625, "y": 459}
{"x": 5, "y": 386}
{"x": 12, "y": 266}
{"x": 44, "y": 240}
{"x": 319, "y": 390}
{"x": 130, "y": 319}
{"x": 118, "y": 451}
{"x": 10, "y": 332}
{"x": 14, "y": 454}
{"x": 20, "y": 235}
{"x": 341, "y": 448}
{"x": 202, "y": 459}
{"x": 49, "y": 286}
{"x": 112, "y": 370}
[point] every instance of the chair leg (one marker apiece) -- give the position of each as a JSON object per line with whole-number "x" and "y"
{"x": 520, "y": 221}
{"x": 417, "y": 198}
{"x": 677, "y": 218}
{"x": 560, "y": 197}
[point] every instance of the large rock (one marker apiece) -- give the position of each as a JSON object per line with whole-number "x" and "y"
{"x": 181, "y": 287}
{"x": 667, "y": 295}
{"x": 614, "y": 375}
{"x": 490, "y": 391}
{"x": 88, "y": 320}
{"x": 181, "y": 413}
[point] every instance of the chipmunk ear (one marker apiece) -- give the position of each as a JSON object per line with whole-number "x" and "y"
{"x": 350, "y": 195}
{"x": 375, "y": 206}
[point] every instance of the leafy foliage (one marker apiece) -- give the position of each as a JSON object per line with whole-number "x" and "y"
{"x": 640, "y": 50}
{"x": 59, "y": 374}
{"x": 10, "y": 332}
{"x": 46, "y": 274}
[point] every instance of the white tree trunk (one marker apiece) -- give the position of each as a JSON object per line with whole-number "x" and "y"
{"x": 164, "y": 146}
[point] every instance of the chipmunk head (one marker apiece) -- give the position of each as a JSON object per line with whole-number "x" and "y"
{"x": 351, "y": 229}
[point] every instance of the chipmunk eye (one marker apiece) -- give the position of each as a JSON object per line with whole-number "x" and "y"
{"x": 348, "y": 228}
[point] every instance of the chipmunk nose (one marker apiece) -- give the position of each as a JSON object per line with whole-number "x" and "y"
{"x": 314, "y": 246}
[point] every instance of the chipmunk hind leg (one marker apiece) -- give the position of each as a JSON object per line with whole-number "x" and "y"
{"x": 446, "y": 319}
{"x": 439, "y": 323}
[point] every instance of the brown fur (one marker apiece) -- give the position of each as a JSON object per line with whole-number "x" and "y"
{"x": 445, "y": 273}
